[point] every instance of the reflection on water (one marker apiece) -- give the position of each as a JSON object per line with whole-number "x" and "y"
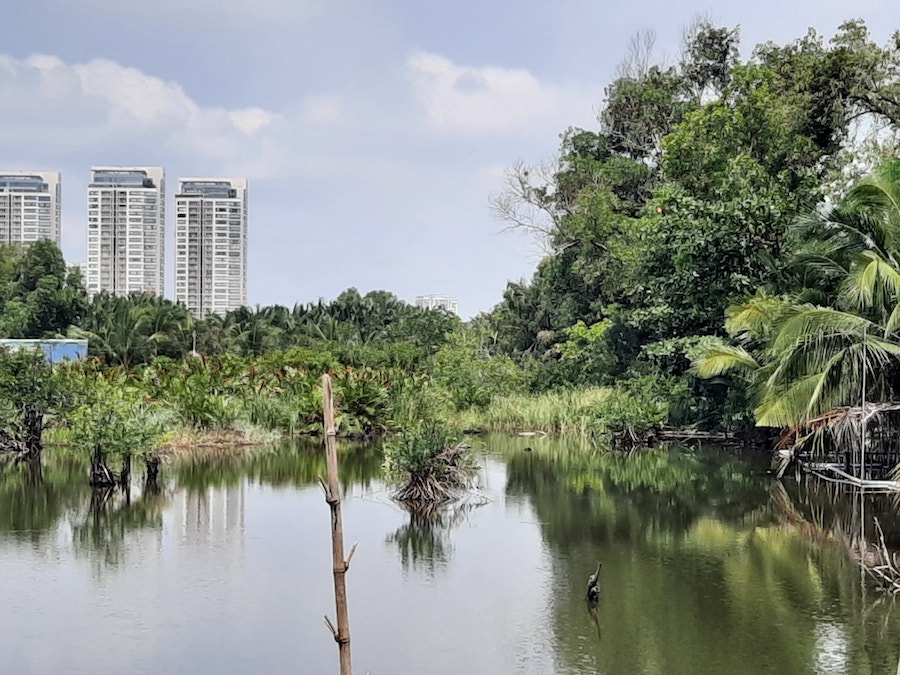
{"x": 424, "y": 540}
{"x": 709, "y": 566}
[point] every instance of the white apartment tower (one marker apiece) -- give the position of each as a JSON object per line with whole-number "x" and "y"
{"x": 126, "y": 230}
{"x": 29, "y": 206}
{"x": 438, "y": 302}
{"x": 211, "y": 244}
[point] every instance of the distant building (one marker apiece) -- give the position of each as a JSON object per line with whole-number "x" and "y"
{"x": 438, "y": 302}
{"x": 55, "y": 350}
{"x": 82, "y": 267}
{"x": 211, "y": 245}
{"x": 29, "y": 206}
{"x": 126, "y": 230}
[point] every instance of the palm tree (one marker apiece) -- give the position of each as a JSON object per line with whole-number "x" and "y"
{"x": 802, "y": 359}
{"x": 134, "y": 329}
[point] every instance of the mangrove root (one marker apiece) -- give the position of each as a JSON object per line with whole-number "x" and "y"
{"x": 443, "y": 480}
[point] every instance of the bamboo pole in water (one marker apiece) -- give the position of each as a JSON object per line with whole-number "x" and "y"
{"x": 340, "y": 564}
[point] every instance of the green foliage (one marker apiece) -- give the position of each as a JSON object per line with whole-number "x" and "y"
{"x": 413, "y": 451}
{"x": 470, "y": 375}
{"x": 426, "y": 464}
{"x": 683, "y": 204}
{"x": 556, "y": 411}
{"x": 198, "y": 391}
{"x": 38, "y": 297}
{"x": 598, "y": 411}
{"x": 588, "y": 353}
{"x": 32, "y": 395}
{"x": 403, "y": 355}
{"x": 416, "y": 399}
{"x": 362, "y": 401}
{"x": 117, "y": 422}
{"x": 132, "y": 330}
{"x": 622, "y": 413}
{"x": 801, "y": 359}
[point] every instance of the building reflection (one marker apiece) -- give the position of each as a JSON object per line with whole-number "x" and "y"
{"x": 211, "y": 517}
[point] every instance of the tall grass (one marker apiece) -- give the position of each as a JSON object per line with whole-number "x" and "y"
{"x": 558, "y": 411}
{"x": 594, "y": 410}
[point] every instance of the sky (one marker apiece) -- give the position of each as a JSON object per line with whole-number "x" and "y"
{"x": 373, "y": 134}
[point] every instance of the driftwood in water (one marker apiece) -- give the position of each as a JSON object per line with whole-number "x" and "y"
{"x": 862, "y": 439}
{"x": 340, "y": 564}
{"x": 18, "y": 448}
{"x": 593, "y": 587}
{"x": 879, "y": 563}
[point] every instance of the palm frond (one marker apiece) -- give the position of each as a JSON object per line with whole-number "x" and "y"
{"x": 720, "y": 359}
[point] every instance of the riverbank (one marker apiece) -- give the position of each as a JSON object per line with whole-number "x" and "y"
{"x": 233, "y": 442}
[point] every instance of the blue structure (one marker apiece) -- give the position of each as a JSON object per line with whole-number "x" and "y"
{"x": 55, "y": 350}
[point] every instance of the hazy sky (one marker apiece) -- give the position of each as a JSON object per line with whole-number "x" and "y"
{"x": 372, "y": 133}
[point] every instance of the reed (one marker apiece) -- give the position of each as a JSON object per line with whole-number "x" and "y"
{"x": 593, "y": 410}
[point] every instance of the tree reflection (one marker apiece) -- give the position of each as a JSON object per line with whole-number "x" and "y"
{"x": 111, "y": 516}
{"x": 424, "y": 541}
{"x": 701, "y": 551}
{"x": 299, "y": 463}
{"x": 35, "y": 495}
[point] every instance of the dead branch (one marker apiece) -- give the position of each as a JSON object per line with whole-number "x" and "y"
{"x": 638, "y": 54}
{"x": 527, "y": 202}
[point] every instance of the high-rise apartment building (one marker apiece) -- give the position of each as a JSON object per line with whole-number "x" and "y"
{"x": 126, "y": 230}
{"x": 211, "y": 244}
{"x": 29, "y": 206}
{"x": 438, "y": 302}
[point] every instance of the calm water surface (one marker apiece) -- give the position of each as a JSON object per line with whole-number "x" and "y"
{"x": 709, "y": 566}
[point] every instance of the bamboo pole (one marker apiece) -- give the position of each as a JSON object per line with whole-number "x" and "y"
{"x": 340, "y": 564}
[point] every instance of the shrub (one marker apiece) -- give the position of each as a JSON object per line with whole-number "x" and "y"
{"x": 428, "y": 464}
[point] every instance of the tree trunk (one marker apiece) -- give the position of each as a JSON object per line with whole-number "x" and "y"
{"x": 34, "y": 428}
{"x": 101, "y": 476}
{"x": 125, "y": 474}
{"x": 151, "y": 484}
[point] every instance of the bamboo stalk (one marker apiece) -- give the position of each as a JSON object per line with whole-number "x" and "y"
{"x": 340, "y": 564}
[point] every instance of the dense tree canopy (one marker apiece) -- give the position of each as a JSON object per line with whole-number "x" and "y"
{"x": 38, "y": 296}
{"x": 683, "y": 201}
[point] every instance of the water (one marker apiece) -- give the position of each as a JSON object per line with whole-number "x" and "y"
{"x": 709, "y": 566}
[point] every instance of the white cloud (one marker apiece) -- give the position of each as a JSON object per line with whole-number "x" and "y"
{"x": 491, "y": 98}
{"x": 251, "y": 120}
{"x": 101, "y": 102}
{"x": 133, "y": 96}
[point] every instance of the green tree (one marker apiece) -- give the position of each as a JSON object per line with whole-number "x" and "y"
{"x": 470, "y": 375}
{"x": 802, "y": 359}
{"x": 32, "y": 395}
{"x": 38, "y": 298}
{"x": 135, "y": 329}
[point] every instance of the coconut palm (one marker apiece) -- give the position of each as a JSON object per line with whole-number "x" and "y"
{"x": 802, "y": 359}
{"x": 134, "y": 329}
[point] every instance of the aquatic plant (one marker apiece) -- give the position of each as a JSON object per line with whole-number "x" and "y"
{"x": 428, "y": 464}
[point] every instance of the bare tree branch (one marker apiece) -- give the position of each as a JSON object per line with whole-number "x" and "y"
{"x": 638, "y": 54}
{"x": 527, "y": 202}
